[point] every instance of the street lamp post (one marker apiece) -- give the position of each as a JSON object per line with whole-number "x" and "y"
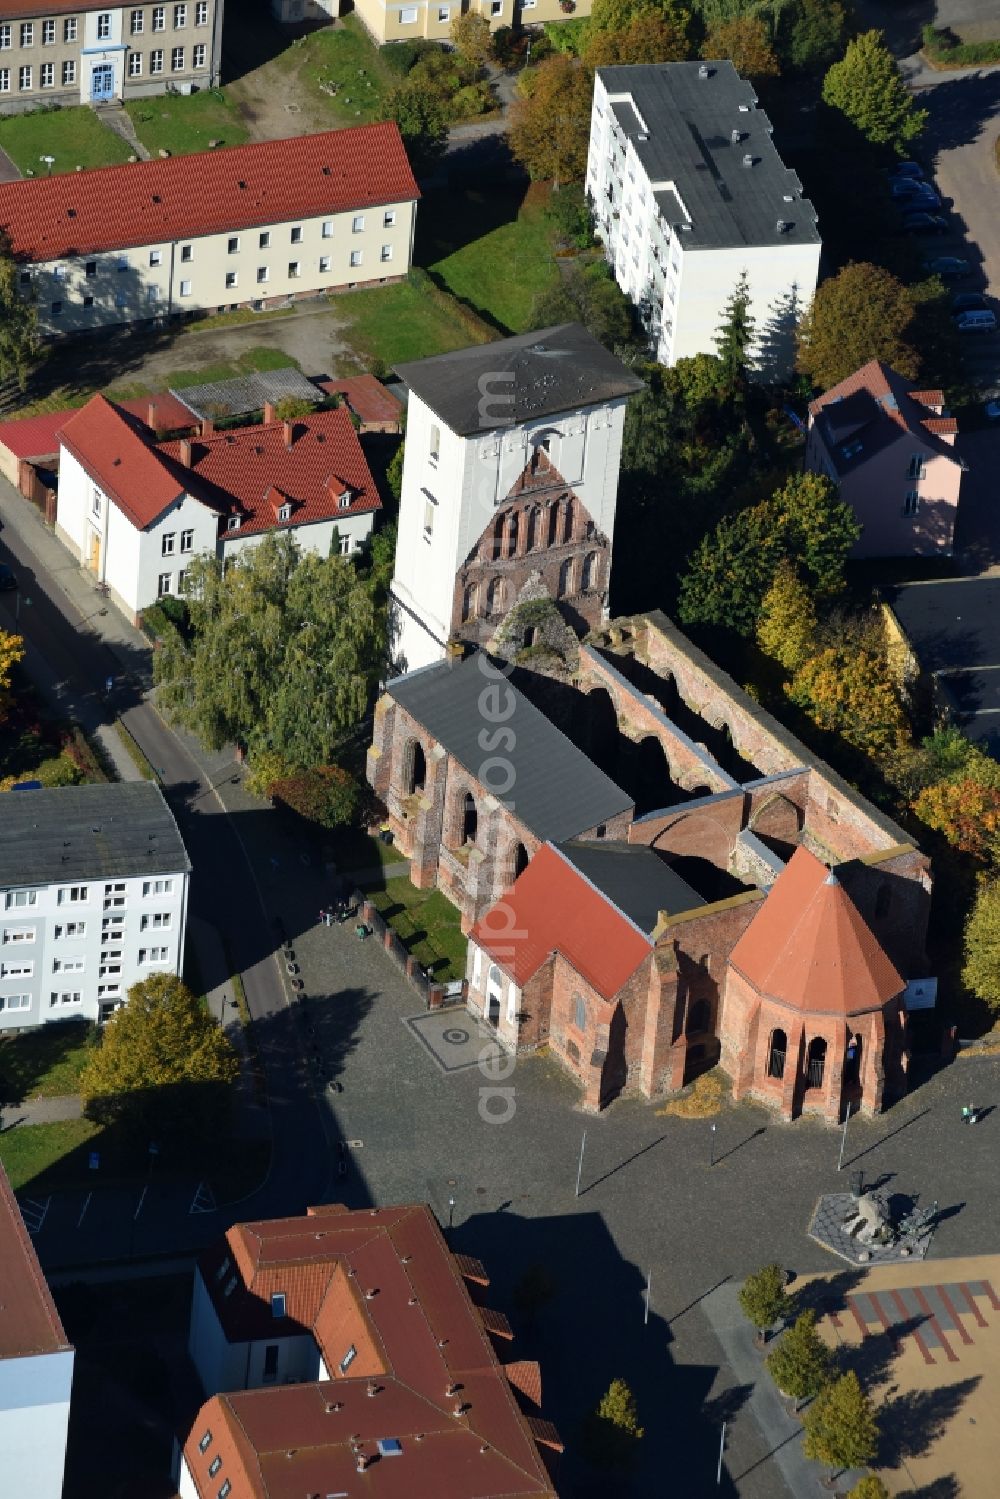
{"x": 451, "y": 1212}
{"x": 711, "y": 1154}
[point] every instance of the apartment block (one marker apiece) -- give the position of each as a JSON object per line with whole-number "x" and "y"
{"x": 91, "y": 53}
{"x": 688, "y": 193}
{"x": 93, "y": 898}
{"x": 250, "y": 225}
{"x": 401, "y": 20}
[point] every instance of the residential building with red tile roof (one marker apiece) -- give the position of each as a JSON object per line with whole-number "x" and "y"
{"x": 342, "y": 1343}
{"x": 134, "y": 510}
{"x": 376, "y": 408}
{"x": 890, "y": 448}
{"x": 96, "y": 51}
{"x": 242, "y": 225}
{"x": 36, "y": 1366}
{"x": 33, "y": 439}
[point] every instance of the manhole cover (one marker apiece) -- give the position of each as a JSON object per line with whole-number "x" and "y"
{"x": 455, "y": 1036}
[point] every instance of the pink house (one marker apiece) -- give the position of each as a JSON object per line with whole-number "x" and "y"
{"x": 890, "y": 449}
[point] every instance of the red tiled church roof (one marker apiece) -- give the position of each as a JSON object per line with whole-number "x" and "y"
{"x": 182, "y": 197}
{"x": 552, "y": 908}
{"x": 810, "y": 948}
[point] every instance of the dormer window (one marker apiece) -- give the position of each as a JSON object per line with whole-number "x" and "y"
{"x": 277, "y": 1304}
{"x": 233, "y": 523}
{"x": 851, "y": 449}
{"x": 285, "y": 512}
{"x": 344, "y": 500}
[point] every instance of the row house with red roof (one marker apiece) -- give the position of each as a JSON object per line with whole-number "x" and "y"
{"x": 134, "y": 510}
{"x": 255, "y": 225}
{"x": 339, "y": 1344}
{"x": 890, "y": 448}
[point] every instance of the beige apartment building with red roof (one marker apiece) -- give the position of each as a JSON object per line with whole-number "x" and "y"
{"x": 251, "y": 225}
{"x": 36, "y": 1367}
{"x": 341, "y": 1344}
{"x": 134, "y": 510}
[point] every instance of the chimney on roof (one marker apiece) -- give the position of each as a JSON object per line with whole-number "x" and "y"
{"x": 269, "y": 413}
{"x": 185, "y": 451}
{"x": 362, "y": 1462}
{"x": 207, "y": 427}
{"x": 151, "y": 416}
{"x": 289, "y": 433}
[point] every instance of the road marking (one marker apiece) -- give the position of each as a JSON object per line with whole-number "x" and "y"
{"x": 142, "y": 1199}
{"x": 83, "y": 1210}
{"x": 354, "y": 1144}
{"x": 34, "y": 1213}
{"x": 203, "y": 1200}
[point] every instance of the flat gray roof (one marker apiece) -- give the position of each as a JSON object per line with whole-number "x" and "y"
{"x": 683, "y": 137}
{"x": 547, "y": 782}
{"x": 246, "y": 393}
{"x": 519, "y": 379}
{"x": 87, "y": 833}
{"x": 634, "y": 878}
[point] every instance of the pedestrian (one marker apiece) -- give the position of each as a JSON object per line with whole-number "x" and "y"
{"x": 852, "y": 1052}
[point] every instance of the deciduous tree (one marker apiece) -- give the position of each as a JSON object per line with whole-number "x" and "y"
{"x": 981, "y": 970}
{"x": 612, "y": 1433}
{"x": 849, "y": 693}
{"x": 11, "y": 652}
{"x": 841, "y": 1428}
{"x": 819, "y": 528}
{"x": 800, "y": 1364}
{"x": 284, "y": 653}
{"x": 763, "y": 1298}
{"x": 163, "y": 1062}
{"x": 618, "y": 15}
{"x": 786, "y": 629}
{"x": 746, "y": 41}
{"x": 550, "y": 120}
{"x": 472, "y": 38}
{"x": 421, "y": 113}
{"x": 816, "y": 35}
{"x": 19, "y": 342}
{"x": 590, "y": 296}
{"x": 869, "y": 1487}
{"x": 967, "y": 812}
{"x": 326, "y": 795}
{"x": 860, "y": 314}
{"x": 867, "y": 87}
{"x": 649, "y": 38}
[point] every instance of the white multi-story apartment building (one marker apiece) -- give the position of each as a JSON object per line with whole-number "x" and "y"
{"x": 688, "y": 193}
{"x": 93, "y": 898}
{"x": 36, "y": 1367}
{"x": 90, "y": 52}
{"x": 510, "y": 476}
{"x": 257, "y": 224}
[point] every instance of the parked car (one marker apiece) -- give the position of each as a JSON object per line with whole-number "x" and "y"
{"x": 909, "y": 192}
{"x": 8, "y": 579}
{"x": 967, "y": 301}
{"x": 948, "y": 267}
{"x": 924, "y": 223}
{"x": 983, "y": 321}
{"x": 992, "y": 410}
{"x": 906, "y": 169}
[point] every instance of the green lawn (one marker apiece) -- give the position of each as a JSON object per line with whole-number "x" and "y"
{"x": 506, "y": 255}
{"x": 390, "y": 324}
{"x": 342, "y": 60}
{"x": 44, "y": 1063}
{"x": 427, "y": 924}
{"x": 75, "y": 137}
{"x": 47, "y": 1154}
{"x": 259, "y": 358}
{"x": 181, "y": 124}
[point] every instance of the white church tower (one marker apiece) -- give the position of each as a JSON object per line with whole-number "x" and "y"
{"x": 510, "y": 474}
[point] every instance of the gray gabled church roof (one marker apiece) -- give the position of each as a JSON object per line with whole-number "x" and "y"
{"x": 634, "y": 878}
{"x": 519, "y": 379}
{"x": 547, "y": 782}
{"x": 88, "y": 832}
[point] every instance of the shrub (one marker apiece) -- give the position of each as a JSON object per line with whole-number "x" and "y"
{"x": 612, "y": 1432}
{"x": 762, "y": 1297}
{"x": 326, "y": 795}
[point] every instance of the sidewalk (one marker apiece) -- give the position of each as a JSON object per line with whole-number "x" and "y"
{"x": 251, "y": 1118}
{"x": 42, "y": 1110}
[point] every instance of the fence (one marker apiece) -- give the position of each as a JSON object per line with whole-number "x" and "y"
{"x": 434, "y": 995}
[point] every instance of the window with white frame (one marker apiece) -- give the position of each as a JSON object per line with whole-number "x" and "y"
{"x": 153, "y": 955}
{"x": 358, "y": 223}
{"x": 17, "y": 970}
{"x": 69, "y": 29}
{"x": 4, "y": 80}
{"x": 187, "y": 253}
{"x": 137, "y": 22}
{"x": 187, "y": 541}
{"x": 408, "y": 15}
{"x": 70, "y": 929}
{"x": 47, "y": 75}
{"x": 5, "y": 37}
{"x": 496, "y": 8}
{"x": 159, "y": 18}
{"x": 233, "y": 246}
{"x": 15, "y": 1001}
{"x": 232, "y": 280}
{"x": 344, "y": 500}
{"x": 48, "y": 33}
{"x": 96, "y": 501}
{"x": 182, "y": 579}
{"x": 65, "y": 997}
{"x": 155, "y": 921}
{"x": 293, "y": 270}
{"x": 262, "y": 273}
{"x": 180, "y": 16}
{"x": 24, "y": 79}
{"x": 386, "y": 252}
{"x": 15, "y": 934}
{"x": 345, "y": 546}
{"x": 176, "y": 59}
{"x": 296, "y": 234}
{"x": 156, "y": 60}
{"x": 326, "y": 230}
{"x": 27, "y": 34}
{"x": 156, "y": 257}
{"x": 233, "y": 523}
{"x": 324, "y": 264}
{"x": 109, "y": 970}
{"x": 167, "y": 544}
{"x": 69, "y": 71}
{"x": 117, "y": 888}
{"x": 185, "y": 288}
{"x": 104, "y": 26}
{"x": 356, "y": 257}
{"x": 73, "y": 895}
{"x": 135, "y": 65}
{"x": 388, "y": 218}
{"x": 157, "y": 887}
{"x": 443, "y": 12}
{"x": 67, "y": 965}
{"x": 199, "y": 55}
{"x": 264, "y": 243}
{"x": 163, "y": 584}
{"x": 201, "y": 13}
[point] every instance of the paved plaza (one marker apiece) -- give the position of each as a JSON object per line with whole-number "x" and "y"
{"x": 455, "y": 1039}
